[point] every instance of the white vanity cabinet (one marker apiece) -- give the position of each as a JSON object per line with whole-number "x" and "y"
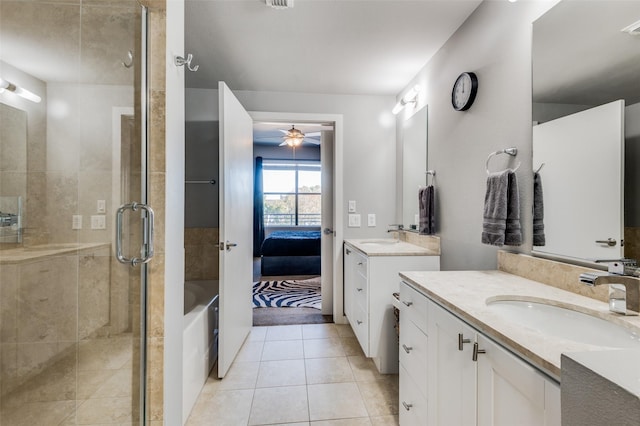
{"x": 369, "y": 283}
{"x": 496, "y": 389}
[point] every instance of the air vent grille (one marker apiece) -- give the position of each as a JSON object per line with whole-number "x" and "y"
{"x": 280, "y": 4}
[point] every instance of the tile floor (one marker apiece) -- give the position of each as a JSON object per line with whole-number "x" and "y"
{"x": 313, "y": 375}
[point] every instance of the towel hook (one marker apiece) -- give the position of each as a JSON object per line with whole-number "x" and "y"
{"x": 431, "y": 173}
{"x": 539, "y": 168}
{"x": 511, "y": 151}
{"x": 129, "y": 62}
{"x": 180, "y": 61}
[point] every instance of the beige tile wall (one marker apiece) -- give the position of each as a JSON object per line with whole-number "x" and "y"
{"x": 157, "y": 173}
{"x": 201, "y": 254}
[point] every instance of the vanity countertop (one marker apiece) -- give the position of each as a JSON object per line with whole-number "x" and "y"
{"x": 389, "y": 247}
{"x": 465, "y": 293}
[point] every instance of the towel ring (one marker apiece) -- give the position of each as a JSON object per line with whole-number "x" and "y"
{"x": 539, "y": 168}
{"x": 511, "y": 151}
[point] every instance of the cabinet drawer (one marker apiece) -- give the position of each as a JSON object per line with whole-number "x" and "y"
{"x": 415, "y": 306}
{"x": 360, "y": 326}
{"x": 413, "y": 352}
{"x": 360, "y": 291}
{"x": 413, "y": 405}
{"x": 361, "y": 263}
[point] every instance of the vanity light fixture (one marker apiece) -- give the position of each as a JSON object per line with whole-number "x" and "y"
{"x": 20, "y": 91}
{"x": 411, "y": 97}
{"x": 633, "y": 29}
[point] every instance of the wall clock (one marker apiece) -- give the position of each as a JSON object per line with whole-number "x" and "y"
{"x": 464, "y": 91}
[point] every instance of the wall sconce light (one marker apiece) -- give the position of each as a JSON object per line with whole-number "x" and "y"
{"x": 411, "y": 97}
{"x": 20, "y": 91}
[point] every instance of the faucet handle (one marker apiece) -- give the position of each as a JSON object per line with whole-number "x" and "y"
{"x": 619, "y": 266}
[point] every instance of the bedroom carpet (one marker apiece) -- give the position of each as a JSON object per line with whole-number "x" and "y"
{"x": 287, "y": 293}
{"x": 289, "y": 316}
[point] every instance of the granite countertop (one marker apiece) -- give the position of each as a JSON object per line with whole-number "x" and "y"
{"x": 465, "y": 293}
{"x": 24, "y": 254}
{"x": 389, "y": 247}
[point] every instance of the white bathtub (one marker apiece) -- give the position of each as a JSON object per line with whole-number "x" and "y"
{"x": 200, "y": 339}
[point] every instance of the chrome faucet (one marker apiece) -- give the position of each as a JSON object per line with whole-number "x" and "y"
{"x": 623, "y": 278}
{"x": 398, "y": 227}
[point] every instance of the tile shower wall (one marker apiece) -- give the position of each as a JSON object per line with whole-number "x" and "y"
{"x": 201, "y": 254}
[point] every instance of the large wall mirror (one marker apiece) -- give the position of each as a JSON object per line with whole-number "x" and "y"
{"x": 586, "y": 116}
{"x": 414, "y": 165}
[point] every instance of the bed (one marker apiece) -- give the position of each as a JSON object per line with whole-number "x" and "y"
{"x": 291, "y": 253}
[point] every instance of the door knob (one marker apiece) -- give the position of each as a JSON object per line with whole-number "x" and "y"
{"x": 230, "y": 245}
{"x": 611, "y": 242}
{"x": 328, "y": 231}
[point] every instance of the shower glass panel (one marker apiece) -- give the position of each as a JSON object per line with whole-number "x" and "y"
{"x": 72, "y": 150}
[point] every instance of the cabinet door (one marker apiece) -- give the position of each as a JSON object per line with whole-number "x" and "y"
{"x": 510, "y": 391}
{"x": 452, "y": 373}
{"x": 413, "y": 405}
{"x": 349, "y": 277}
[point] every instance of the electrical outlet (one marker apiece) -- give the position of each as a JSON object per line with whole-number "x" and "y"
{"x": 98, "y": 221}
{"x": 101, "y": 206}
{"x": 371, "y": 219}
{"x": 352, "y": 206}
{"x": 354, "y": 221}
{"x": 76, "y": 221}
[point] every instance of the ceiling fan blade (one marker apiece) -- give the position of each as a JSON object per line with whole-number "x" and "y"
{"x": 311, "y": 134}
{"x": 313, "y": 141}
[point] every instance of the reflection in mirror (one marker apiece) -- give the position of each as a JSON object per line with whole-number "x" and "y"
{"x": 13, "y": 172}
{"x": 575, "y": 73}
{"x": 414, "y": 165}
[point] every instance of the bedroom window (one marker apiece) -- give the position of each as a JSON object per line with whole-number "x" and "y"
{"x": 292, "y": 193}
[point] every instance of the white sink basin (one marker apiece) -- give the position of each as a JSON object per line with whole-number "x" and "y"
{"x": 382, "y": 241}
{"x": 565, "y": 323}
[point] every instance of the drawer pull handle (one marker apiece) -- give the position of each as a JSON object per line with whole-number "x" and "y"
{"x": 359, "y": 289}
{"x": 407, "y": 406}
{"x": 359, "y": 263}
{"x": 359, "y": 322}
{"x": 462, "y": 341}
{"x": 477, "y": 351}
{"x": 347, "y": 251}
{"x": 406, "y": 348}
{"x": 407, "y": 303}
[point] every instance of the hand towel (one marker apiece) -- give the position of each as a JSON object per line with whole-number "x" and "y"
{"x": 513, "y": 231}
{"x": 426, "y": 200}
{"x": 538, "y": 211}
{"x": 495, "y": 209}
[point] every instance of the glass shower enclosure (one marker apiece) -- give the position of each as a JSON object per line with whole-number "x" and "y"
{"x": 73, "y": 150}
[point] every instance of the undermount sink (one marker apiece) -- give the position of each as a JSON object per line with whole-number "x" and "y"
{"x": 565, "y": 322}
{"x": 382, "y": 241}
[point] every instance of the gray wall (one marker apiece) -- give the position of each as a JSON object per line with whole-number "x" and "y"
{"x": 495, "y": 43}
{"x": 369, "y": 144}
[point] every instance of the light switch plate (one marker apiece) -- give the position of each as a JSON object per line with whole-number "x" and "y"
{"x": 371, "y": 219}
{"x": 354, "y": 221}
{"x": 352, "y": 206}
{"x": 76, "y": 221}
{"x": 101, "y": 206}
{"x": 98, "y": 222}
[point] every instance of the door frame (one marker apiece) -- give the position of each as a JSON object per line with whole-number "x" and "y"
{"x": 338, "y": 220}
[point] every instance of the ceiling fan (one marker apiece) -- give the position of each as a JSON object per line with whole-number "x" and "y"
{"x": 294, "y": 137}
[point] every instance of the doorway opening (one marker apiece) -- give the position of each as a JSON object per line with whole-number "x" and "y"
{"x": 292, "y": 196}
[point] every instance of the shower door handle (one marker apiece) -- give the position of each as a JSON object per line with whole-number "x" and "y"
{"x": 147, "y": 234}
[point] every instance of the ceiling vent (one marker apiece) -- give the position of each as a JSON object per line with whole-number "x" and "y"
{"x": 633, "y": 29}
{"x": 280, "y": 4}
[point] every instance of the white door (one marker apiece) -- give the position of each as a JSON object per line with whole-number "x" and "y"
{"x": 326, "y": 269}
{"x": 236, "y": 226}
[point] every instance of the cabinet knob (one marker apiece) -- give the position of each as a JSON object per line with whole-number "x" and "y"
{"x": 462, "y": 341}
{"x": 407, "y": 406}
{"x": 476, "y": 351}
{"x": 407, "y": 303}
{"x": 406, "y": 348}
